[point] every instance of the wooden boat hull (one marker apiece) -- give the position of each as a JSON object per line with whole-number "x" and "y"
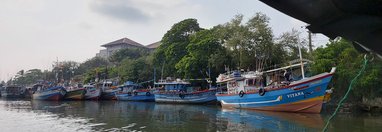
{"x": 108, "y": 95}
{"x": 303, "y": 96}
{"x": 138, "y": 96}
{"x": 93, "y": 94}
{"x": 76, "y": 94}
{"x": 188, "y": 98}
{"x": 52, "y": 95}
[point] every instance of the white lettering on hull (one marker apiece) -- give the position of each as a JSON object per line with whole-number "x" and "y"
{"x": 295, "y": 94}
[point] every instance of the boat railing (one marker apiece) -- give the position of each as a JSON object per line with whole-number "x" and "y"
{"x": 183, "y": 92}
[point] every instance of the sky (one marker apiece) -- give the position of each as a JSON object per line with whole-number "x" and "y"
{"x": 35, "y": 34}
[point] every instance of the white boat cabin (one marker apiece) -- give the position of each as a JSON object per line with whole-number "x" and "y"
{"x": 253, "y": 81}
{"x": 129, "y": 87}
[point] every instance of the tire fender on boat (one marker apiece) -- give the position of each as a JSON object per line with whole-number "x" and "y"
{"x": 181, "y": 95}
{"x": 261, "y": 91}
{"x": 241, "y": 93}
{"x": 135, "y": 93}
{"x": 234, "y": 84}
{"x": 148, "y": 93}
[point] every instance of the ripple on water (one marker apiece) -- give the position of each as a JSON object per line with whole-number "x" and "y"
{"x": 129, "y": 128}
{"x": 16, "y": 116}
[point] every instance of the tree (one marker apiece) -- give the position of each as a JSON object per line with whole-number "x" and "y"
{"x": 233, "y": 35}
{"x": 3, "y": 83}
{"x": 90, "y": 64}
{"x": 28, "y": 77}
{"x": 197, "y": 63}
{"x": 65, "y": 70}
{"x": 138, "y": 70}
{"x": 97, "y": 74}
{"x": 262, "y": 42}
{"x": 131, "y": 53}
{"x": 341, "y": 54}
{"x": 174, "y": 44}
{"x": 291, "y": 41}
{"x": 250, "y": 44}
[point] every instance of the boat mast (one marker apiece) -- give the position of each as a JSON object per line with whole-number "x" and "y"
{"x": 302, "y": 64}
{"x": 209, "y": 77}
{"x": 162, "y": 72}
{"x": 154, "y": 77}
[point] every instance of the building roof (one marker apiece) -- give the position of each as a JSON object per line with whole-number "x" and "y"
{"x": 123, "y": 41}
{"x": 153, "y": 45}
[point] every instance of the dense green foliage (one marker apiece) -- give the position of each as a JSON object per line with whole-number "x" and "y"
{"x": 173, "y": 46}
{"x": 131, "y": 53}
{"x": 137, "y": 70}
{"x": 90, "y": 64}
{"x": 341, "y": 54}
{"x": 202, "y": 47}
{"x": 29, "y": 76}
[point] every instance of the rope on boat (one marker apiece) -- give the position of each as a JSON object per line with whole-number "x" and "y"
{"x": 346, "y": 95}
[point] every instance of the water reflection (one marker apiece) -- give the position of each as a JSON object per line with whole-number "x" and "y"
{"x": 269, "y": 121}
{"x": 141, "y": 116}
{"x": 19, "y": 116}
{"x": 184, "y": 117}
{"x": 104, "y": 115}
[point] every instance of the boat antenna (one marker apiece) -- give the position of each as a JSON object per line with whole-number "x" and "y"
{"x": 209, "y": 76}
{"x": 302, "y": 64}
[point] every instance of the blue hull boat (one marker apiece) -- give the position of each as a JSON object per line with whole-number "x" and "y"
{"x": 179, "y": 91}
{"x": 131, "y": 91}
{"x": 53, "y": 94}
{"x": 186, "y": 98}
{"x": 136, "y": 96}
{"x": 305, "y": 95}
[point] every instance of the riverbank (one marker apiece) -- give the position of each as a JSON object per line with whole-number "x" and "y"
{"x": 366, "y": 106}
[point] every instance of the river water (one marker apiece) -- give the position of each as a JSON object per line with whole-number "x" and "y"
{"x": 69, "y": 116}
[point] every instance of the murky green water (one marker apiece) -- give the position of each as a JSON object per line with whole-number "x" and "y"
{"x": 19, "y": 116}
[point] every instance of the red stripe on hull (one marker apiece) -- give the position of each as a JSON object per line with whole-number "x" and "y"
{"x": 313, "y": 105}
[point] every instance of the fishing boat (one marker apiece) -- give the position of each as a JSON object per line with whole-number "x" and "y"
{"x": 131, "y": 91}
{"x": 13, "y": 91}
{"x": 75, "y": 93}
{"x": 108, "y": 90}
{"x": 266, "y": 91}
{"x": 181, "y": 91}
{"x": 2, "y": 89}
{"x": 53, "y": 93}
{"x": 92, "y": 93}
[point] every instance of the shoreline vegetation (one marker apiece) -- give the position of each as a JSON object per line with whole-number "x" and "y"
{"x": 191, "y": 52}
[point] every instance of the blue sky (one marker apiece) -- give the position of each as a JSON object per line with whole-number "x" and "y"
{"x": 33, "y": 34}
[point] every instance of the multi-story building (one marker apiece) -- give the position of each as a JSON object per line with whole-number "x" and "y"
{"x": 123, "y": 43}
